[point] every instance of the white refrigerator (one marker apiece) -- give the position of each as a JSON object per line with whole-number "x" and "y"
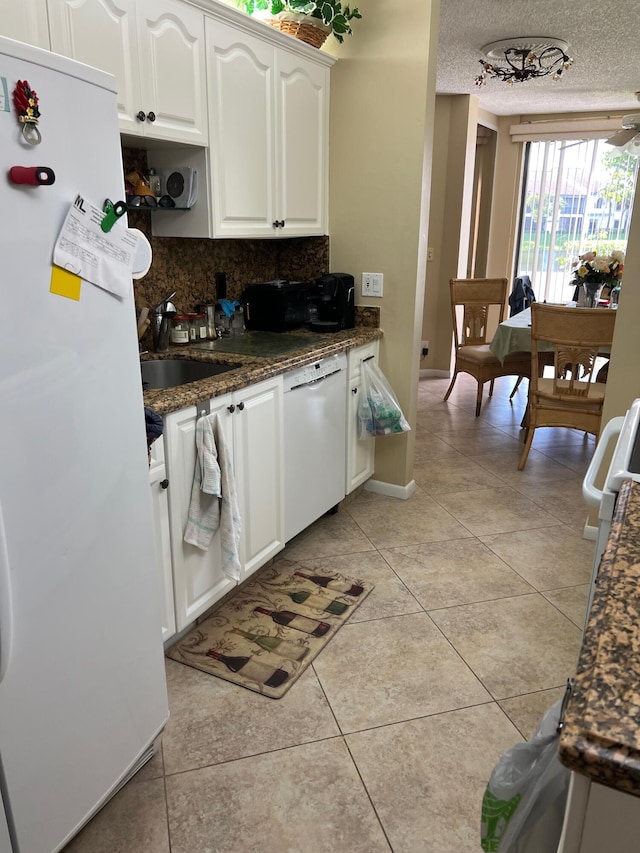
{"x": 82, "y": 686}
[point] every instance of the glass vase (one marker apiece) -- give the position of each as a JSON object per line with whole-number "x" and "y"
{"x": 592, "y": 291}
{"x": 614, "y": 297}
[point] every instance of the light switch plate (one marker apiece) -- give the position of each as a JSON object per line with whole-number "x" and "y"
{"x": 372, "y": 283}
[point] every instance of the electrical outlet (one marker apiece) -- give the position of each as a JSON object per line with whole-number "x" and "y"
{"x": 430, "y": 253}
{"x": 424, "y": 350}
{"x": 372, "y": 283}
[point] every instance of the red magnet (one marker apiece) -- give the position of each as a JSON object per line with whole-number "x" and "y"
{"x": 35, "y": 176}
{"x": 26, "y": 103}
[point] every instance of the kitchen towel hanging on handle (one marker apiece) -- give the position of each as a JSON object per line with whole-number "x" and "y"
{"x": 214, "y": 503}
{"x": 379, "y": 412}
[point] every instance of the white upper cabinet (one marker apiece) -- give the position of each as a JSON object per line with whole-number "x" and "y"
{"x": 172, "y": 70}
{"x": 269, "y": 137}
{"x": 155, "y": 50}
{"x": 25, "y": 21}
{"x": 302, "y": 145}
{"x": 242, "y": 111}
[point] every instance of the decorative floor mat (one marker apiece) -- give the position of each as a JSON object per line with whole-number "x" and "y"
{"x": 265, "y": 635}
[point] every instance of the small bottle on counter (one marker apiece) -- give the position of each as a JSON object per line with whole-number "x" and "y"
{"x": 194, "y": 328}
{"x": 200, "y": 321}
{"x": 180, "y": 330}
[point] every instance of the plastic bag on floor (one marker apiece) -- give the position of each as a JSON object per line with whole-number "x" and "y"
{"x": 523, "y": 805}
{"x": 379, "y": 412}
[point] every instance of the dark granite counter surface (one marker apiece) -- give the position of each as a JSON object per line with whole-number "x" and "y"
{"x": 601, "y": 737}
{"x": 252, "y": 368}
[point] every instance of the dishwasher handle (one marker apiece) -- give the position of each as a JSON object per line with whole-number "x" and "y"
{"x": 315, "y": 381}
{"x": 592, "y": 495}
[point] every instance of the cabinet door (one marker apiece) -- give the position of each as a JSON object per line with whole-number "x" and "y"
{"x": 25, "y": 21}
{"x": 302, "y": 144}
{"x": 259, "y": 452}
{"x": 198, "y": 578}
{"x": 241, "y": 116}
{"x": 159, "y": 502}
{"x": 172, "y": 71}
{"x": 101, "y": 33}
{"x": 360, "y": 451}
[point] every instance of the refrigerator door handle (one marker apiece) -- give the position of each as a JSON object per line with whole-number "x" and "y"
{"x": 6, "y": 610}
{"x": 590, "y": 492}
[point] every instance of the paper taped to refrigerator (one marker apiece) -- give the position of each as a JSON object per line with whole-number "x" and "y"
{"x": 103, "y": 258}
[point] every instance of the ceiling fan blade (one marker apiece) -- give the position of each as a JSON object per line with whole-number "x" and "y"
{"x": 622, "y": 137}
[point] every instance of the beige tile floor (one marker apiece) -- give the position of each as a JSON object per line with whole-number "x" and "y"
{"x": 387, "y": 740}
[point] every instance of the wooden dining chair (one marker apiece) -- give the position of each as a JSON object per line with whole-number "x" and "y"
{"x": 475, "y": 304}
{"x": 572, "y": 397}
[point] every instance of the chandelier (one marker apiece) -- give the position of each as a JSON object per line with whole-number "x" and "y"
{"x": 524, "y": 59}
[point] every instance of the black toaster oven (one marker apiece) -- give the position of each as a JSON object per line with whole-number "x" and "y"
{"x": 275, "y": 306}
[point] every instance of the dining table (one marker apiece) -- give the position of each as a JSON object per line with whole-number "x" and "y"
{"x": 514, "y": 335}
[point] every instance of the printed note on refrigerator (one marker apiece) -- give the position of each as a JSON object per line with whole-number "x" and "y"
{"x": 103, "y": 258}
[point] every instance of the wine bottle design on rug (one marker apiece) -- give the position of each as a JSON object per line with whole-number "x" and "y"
{"x": 333, "y": 583}
{"x": 249, "y": 667}
{"x": 317, "y": 602}
{"x": 276, "y": 645}
{"x": 295, "y": 620}
{"x": 260, "y": 634}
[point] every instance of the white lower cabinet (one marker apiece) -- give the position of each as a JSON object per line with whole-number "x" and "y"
{"x": 252, "y": 423}
{"x": 198, "y": 579}
{"x": 360, "y": 451}
{"x": 159, "y": 485}
{"x": 258, "y": 431}
{"x": 598, "y": 818}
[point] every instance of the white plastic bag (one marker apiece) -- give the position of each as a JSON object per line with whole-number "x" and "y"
{"x": 379, "y": 412}
{"x": 524, "y": 802}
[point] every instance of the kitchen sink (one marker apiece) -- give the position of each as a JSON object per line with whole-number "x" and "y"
{"x": 170, "y": 372}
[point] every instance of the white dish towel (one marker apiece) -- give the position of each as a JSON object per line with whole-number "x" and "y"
{"x": 214, "y": 503}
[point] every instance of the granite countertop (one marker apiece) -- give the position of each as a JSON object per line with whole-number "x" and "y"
{"x": 601, "y": 736}
{"x": 251, "y": 369}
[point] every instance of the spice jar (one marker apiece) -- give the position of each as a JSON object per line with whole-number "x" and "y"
{"x": 180, "y": 330}
{"x": 193, "y": 328}
{"x": 200, "y": 322}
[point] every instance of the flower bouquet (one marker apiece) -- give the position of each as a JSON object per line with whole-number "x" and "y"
{"x": 592, "y": 272}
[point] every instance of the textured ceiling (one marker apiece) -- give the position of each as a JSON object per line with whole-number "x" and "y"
{"x": 603, "y": 43}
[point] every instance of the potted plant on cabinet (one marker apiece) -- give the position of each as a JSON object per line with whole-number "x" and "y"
{"x": 309, "y": 20}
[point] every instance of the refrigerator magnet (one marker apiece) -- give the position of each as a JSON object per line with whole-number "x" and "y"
{"x": 26, "y": 103}
{"x": 65, "y": 283}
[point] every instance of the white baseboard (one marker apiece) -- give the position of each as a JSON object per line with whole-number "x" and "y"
{"x": 429, "y": 373}
{"x": 390, "y": 489}
{"x": 590, "y": 531}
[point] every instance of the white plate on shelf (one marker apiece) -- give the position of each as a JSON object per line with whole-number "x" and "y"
{"x": 143, "y": 256}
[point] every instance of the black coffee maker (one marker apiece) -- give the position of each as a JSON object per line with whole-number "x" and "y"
{"x": 332, "y": 303}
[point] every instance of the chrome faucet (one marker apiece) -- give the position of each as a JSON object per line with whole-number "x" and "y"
{"x": 161, "y": 322}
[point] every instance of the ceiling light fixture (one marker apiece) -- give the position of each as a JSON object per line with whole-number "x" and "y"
{"x": 524, "y": 59}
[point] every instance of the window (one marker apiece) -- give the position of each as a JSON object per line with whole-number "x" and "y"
{"x": 577, "y": 197}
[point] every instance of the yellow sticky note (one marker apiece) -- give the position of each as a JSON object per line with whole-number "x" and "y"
{"x": 65, "y": 283}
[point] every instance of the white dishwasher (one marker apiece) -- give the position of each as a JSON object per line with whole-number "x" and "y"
{"x": 315, "y": 441}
